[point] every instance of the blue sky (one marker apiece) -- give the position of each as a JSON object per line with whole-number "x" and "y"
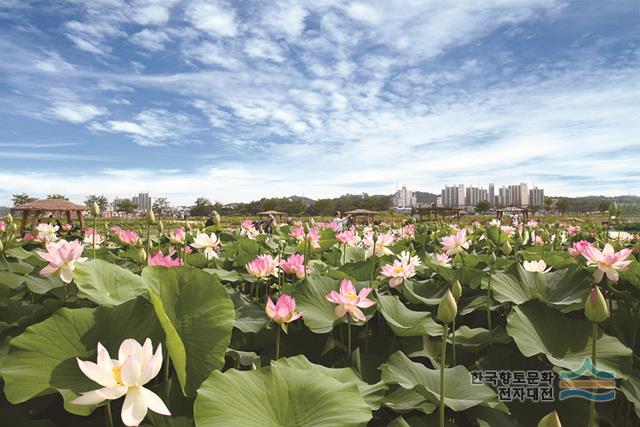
{"x": 239, "y": 100}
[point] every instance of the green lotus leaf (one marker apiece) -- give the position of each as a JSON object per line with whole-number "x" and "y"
{"x": 105, "y": 283}
{"x": 404, "y": 322}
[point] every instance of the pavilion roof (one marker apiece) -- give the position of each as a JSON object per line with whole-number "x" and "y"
{"x": 362, "y": 212}
{"x": 272, "y": 213}
{"x": 51, "y": 205}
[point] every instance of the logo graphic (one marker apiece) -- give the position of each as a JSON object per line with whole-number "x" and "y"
{"x": 589, "y": 383}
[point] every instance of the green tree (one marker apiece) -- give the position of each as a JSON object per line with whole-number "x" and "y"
{"x": 202, "y": 207}
{"x": 603, "y": 206}
{"x": 125, "y": 205}
{"x": 159, "y": 205}
{"x": 548, "y": 203}
{"x": 57, "y": 196}
{"x": 21, "y": 199}
{"x": 483, "y": 207}
{"x": 101, "y": 201}
{"x": 563, "y": 205}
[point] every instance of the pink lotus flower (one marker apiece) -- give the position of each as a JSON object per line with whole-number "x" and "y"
{"x": 573, "y": 230}
{"x": 128, "y": 237}
{"x": 538, "y": 241}
{"x": 313, "y": 237}
{"x": 283, "y": 311}
{"x": 402, "y": 268}
{"x": 578, "y": 247}
{"x": 348, "y": 237}
{"x": 263, "y": 266}
{"x": 532, "y": 223}
{"x": 62, "y": 257}
{"x": 178, "y": 237}
{"x": 350, "y": 302}
{"x": 442, "y": 260}
{"x": 3, "y": 226}
{"x": 509, "y": 230}
{"x": 409, "y": 231}
{"x": 293, "y": 265}
{"x": 381, "y": 249}
{"x": 136, "y": 365}
{"x": 455, "y": 243}
{"x": 164, "y": 261}
{"x": 608, "y": 261}
{"x": 29, "y": 237}
{"x": 67, "y": 227}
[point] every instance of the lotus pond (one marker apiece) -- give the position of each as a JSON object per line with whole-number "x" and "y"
{"x": 427, "y": 324}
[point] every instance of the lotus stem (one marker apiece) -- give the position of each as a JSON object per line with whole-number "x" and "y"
{"x": 149, "y": 239}
{"x": 108, "y": 418}
{"x": 443, "y": 356}
{"x": 277, "y": 343}
{"x": 592, "y": 408}
{"x": 489, "y": 301}
{"x": 93, "y": 237}
{"x": 349, "y": 335}
{"x": 258, "y": 290}
{"x": 453, "y": 341}
{"x": 344, "y": 253}
{"x": 166, "y": 385}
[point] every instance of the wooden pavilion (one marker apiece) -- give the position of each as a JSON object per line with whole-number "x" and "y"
{"x": 277, "y": 214}
{"x": 365, "y": 213}
{"x": 440, "y": 211}
{"x": 512, "y": 210}
{"x": 39, "y": 207}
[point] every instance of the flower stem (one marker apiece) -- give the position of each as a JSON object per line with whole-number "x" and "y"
{"x": 443, "y": 356}
{"x": 149, "y": 239}
{"x": 95, "y": 227}
{"x": 108, "y": 418}
{"x": 166, "y": 383}
{"x": 453, "y": 341}
{"x": 489, "y": 301}
{"x": 592, "y": 409}
{"x": 349, "y": 335}
{"x": 277, "y": 342}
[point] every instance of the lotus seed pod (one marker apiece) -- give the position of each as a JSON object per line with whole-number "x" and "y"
{"x": 456, "y": 289}
{"x": 151, "y": 217}
{"x": 447, "y": 309}
{"x": 8, "y": 219}
{"x": 142, "y": 256}
{"x": 595, "y": 309}
{"x": 550, "y": 420}
{"x": 506, "y": 248}
{"x": 95, "y": 209}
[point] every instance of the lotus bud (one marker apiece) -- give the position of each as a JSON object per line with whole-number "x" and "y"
{"x": 456, "y": 289}
{"x": 550, "y": 420}
{"x": 374, "y": 237}
{"x": 216, "y": 217}
{"x": 506, "y": 248}
{"x": 312, "y": 221}
{"x": 1, "y": 246}
{"x": 95, "y": 209}
{"x": 142, "y": 256}
{"x": 448, "y": 308}
{"x": 13, "y": 227}
{"x": 160, "y": 226}
{"x": 493, "y": 259}
{"x": 8, "y": 219}
{"x": 187, "y": 226}
{"x": 306, "y": 228}
{"x": 151, "y": 217}
{"x": 595, "y": 309}
{"x": 525, "y": 236}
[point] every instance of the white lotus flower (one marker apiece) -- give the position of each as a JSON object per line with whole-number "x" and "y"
{"x": 207, "y": 242}
{"x": 536, "y": 266}
{"x": 136, "y": 365}
{"x": 47, "y": 232}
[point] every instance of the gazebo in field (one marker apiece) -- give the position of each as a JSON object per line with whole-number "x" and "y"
{"x": 512, "y": 211}
{"x": 274, "y": 213}
{"x": 365, "y": 213}
{"x": 39, "y": 207}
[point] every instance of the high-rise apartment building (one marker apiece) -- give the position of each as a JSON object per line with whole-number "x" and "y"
{"x": 536, "y": 197}
{"x": 453, "y": 197}
{"x": 492, "y": 194}
{"x": 404, "y": 198}
{"x": 142, "y": 201}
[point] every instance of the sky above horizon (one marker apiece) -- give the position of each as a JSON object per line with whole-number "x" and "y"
{"x": 239, "y": 100}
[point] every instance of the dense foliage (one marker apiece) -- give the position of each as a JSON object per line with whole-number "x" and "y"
{"x": 175, "y": 325}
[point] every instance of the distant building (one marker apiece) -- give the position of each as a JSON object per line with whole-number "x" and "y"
{"x": 492, "y": 194}
{"x": 142, "y": 201}
{"x": 453, "y": 197}
{"x": 536, "y": 197}
{"x": 405, "y": 199}
{"x": 474, "y": 195}
{"x": 439, "y": 201}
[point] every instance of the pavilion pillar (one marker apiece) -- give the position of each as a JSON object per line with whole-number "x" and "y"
{"x": 23, "y": 223}
{"x": 36, "y": 217}
{"x": 68, "y": 214}
{"x": 81, "y": 219}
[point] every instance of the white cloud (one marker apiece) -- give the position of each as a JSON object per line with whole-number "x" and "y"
{"x": 285, "y": 18}
{"x": 151, "y": 14}
{"x": 264, "y": 49}
{"x": 212, "y": 54}
{"x": 150, "y": 39}
{"x": 216, "y": 18}
{"x": 151, "y": 127}
{"x": 75, "y": 112}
